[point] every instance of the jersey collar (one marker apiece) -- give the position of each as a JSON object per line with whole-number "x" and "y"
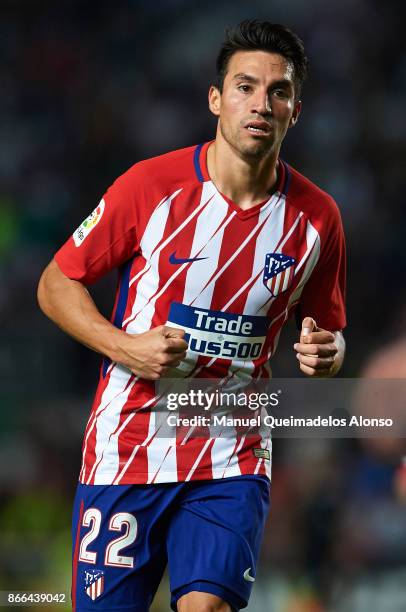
{"x": 202, "y": 173}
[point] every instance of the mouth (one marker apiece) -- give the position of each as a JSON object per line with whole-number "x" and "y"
{"x": 259, "y": 128}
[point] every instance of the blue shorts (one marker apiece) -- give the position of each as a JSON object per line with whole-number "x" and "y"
{"x": 209, "y": 533}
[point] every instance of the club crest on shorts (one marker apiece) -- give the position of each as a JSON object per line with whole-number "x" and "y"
{"x": 279, "y": 271}
{"x": 94, "y": 583}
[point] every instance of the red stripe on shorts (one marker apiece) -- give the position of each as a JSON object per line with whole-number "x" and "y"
{"x": 75, "y": 557}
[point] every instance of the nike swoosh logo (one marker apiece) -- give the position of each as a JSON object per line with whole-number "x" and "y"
{"x": 247, "y": 576}
{"x": 175, "y": 260}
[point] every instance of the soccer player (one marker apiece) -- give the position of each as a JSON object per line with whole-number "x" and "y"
{"x": 216, "y": 246}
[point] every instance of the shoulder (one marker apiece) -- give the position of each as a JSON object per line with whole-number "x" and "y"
{"x": 150, "y": 182}
{"x": 318, "y": 205}
{"x": 173, "y": 168}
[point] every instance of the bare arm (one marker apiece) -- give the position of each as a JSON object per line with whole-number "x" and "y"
{"x": 68, "y": 304}
{"x": 320, "y": 352}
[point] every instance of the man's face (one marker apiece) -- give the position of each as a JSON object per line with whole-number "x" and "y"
{"x": 257, "y": 104}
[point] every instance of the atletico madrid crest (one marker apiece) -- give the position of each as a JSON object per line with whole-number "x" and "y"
{"x": 94, "y": 581}
{"x": 279, "y": 272}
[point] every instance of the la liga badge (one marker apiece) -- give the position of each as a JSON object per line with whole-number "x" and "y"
{"x": 279, "y": 272}
{"x": 88, "y": 224}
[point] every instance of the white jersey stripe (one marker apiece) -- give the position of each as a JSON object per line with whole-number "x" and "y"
{"x": 167, "y": 449}
{"x": 258, "y": 466}
{"x": 198, "y": 459}
{"x": 127, "y": 465}
{"x": 159, "y": 448}
{"x": 233, "y": 464}
{"x": 207, "y": 242}
{"x": 312, "y": 238}
{"x": 310, "y": 257}
{"x": 136, "y": 448}
{"x": 107, "y": 458}
{"x": 154, "y": 231}
{"x": 221, "y": 451}
{"x": 118, "y": 381}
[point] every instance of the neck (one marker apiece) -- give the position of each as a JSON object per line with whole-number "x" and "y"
{"x": 246, "y": 182}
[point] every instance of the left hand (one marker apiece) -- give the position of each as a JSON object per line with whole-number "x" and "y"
{"x": 316, "y": 350}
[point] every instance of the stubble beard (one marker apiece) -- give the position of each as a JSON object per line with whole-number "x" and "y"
{"x": 252, "y": 153}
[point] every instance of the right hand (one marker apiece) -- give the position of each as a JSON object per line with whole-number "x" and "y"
{"x": 150, "y": 354}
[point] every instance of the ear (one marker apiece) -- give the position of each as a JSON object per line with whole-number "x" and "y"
{"x": 296, "y": 113}
{"x": 214, "y": 100}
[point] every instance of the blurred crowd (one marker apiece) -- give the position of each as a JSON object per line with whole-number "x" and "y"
{"x": 88, "y": 89}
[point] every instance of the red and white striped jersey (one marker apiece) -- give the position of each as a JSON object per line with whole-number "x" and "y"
{"x": 191, "y": 258}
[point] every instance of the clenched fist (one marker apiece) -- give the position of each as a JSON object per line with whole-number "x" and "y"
{"x": 150, "y": 354}
{"x": 320, "y": 352}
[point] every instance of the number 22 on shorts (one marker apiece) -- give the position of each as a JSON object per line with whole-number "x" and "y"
{"x": 120, "y": 521}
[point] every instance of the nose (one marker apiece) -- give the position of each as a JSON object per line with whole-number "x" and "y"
{"x": 261, "y": 103}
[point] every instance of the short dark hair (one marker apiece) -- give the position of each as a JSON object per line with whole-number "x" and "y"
{"x": 254, "y": 35}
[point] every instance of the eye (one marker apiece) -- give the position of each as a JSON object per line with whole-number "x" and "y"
{"x": 244, "y": 88}
{"x": 280, "y": 93}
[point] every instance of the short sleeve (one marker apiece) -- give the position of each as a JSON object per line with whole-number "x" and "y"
{"x": 107, "y": 237}
{"x": 323, "y": 297}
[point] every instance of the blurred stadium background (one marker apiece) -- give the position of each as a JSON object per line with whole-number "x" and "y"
{"x": 89, "y": 88}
